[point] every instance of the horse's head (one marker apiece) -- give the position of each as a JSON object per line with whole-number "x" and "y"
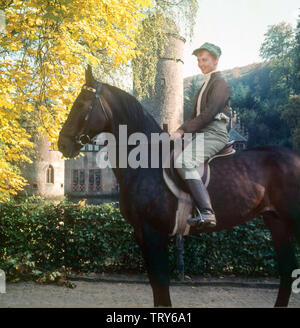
{"x": 87, "y": 118}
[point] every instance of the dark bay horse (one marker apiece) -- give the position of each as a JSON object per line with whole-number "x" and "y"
{"x": 259, "y": 181}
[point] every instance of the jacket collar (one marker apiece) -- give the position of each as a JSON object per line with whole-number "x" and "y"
{"x": 211, "y": 74}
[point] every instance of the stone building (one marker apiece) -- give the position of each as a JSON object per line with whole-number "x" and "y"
{"x": 240, "y": 142}
{"x": 166, "y": 105}
{"x": 84, "y": 179}
{"x": 237, "y": 133}
{"x": 46, "y": 173}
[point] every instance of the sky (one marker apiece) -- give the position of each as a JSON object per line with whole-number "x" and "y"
{"x": 238, "y": 28}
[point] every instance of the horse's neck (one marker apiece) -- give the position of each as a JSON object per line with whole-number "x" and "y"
{"x": 146, "y": 128}
{"x": 140, "y": 122}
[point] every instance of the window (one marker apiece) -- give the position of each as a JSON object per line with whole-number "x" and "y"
{"x": 78, "y": 180}
{"x": 81, "y": 180}
{"x": 94, "y": 180}
{"x": 84, "y": 148}
{"x": 50, "y": 174}
{"x": 91, "y": 178}
{"x": 97, "y": 179}
{"x": 90, "y": 147}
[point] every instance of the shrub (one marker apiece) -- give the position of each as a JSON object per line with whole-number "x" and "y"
{"x": 40, "y": 240}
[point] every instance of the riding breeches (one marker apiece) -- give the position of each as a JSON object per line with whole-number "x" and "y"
{"x": 202, "y": 147}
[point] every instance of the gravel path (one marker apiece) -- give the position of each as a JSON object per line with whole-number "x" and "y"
{"x": 107, "y": 294}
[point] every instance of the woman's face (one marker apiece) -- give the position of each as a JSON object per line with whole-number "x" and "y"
{"x": 206, "y": 62}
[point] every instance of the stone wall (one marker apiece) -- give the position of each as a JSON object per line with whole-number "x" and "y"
{"x": 46, "y": 174}
{"x": 166, "y": 105}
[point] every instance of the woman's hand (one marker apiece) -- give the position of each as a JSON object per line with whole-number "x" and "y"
{"x": 177, "y": 134}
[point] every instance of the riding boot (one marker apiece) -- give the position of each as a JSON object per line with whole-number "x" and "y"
{"x": 201, "y": 197}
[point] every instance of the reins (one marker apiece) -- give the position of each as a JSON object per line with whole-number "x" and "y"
{"x": 83, "y": 138}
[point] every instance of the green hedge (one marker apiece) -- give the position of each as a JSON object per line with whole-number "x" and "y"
{"x": 38, "y": 236}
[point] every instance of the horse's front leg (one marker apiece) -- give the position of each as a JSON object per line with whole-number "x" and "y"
{"x": 154, "y": 245}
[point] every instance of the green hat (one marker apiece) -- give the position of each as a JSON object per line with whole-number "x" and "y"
{"x": 209, "y": 47}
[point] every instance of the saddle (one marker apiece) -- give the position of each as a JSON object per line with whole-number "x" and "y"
{"x": 177, "y": 186}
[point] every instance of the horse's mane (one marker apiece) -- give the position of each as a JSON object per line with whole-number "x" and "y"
{"x": 131, "y": 112}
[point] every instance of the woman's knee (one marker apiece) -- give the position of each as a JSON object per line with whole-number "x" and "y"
{"x": 189, "y": 173}
{"x": 180, "y": 162}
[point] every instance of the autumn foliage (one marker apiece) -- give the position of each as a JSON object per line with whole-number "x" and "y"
{"x": 43, "y": 51}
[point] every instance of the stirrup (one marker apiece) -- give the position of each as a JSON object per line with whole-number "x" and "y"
{"x": 199, "y": 220}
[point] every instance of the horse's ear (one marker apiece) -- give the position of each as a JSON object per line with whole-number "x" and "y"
{"x": 89, "y": 79}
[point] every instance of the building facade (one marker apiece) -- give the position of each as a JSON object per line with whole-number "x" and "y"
{"x": 46, "y": 173}
{"x": 84, "y": 178}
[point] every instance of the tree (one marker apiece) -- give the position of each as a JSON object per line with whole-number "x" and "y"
{"x": 189, "y": 93}
{"x": 297, "y": 58}
{"x": 43, "y": 50}
{"x": 278, "y": 42}
{"x": 255, "y": 102}
{"x": 166, "y": 16}
{"x": 291, "y": 114}
{"x": 278, "y": 49}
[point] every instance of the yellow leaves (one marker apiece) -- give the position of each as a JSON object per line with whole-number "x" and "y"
{"x": 15, "y": 46}
{"x": 47, "y": 45}
{"x": 38, "y": 21}
{"x": 82, "y": 202}
{"x": 91, "y": 60}
{"x": 10, "y": 181}
{"x": 32, "y": 52}
{"x": 28, "y": 107}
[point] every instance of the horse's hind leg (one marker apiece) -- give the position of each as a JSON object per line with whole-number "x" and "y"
{"x": 284, "y": 247}
{"x": 154, "y": 246}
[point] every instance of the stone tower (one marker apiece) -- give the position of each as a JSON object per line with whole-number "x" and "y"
{"x": 166, "y": 105}
{"x": 46, "y": 173}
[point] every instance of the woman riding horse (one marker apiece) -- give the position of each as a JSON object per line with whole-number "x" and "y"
{"x": 209, "y": 122}
{"x": 262, "y": 181}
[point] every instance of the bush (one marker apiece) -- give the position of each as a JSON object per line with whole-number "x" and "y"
{"x": 40, "y": 240}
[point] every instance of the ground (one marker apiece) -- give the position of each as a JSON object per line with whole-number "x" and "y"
{"x": 134, "y": 291}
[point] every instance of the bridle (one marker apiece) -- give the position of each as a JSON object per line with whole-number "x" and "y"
{"x": 82, "y": 137}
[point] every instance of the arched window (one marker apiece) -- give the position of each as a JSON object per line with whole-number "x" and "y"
{"x": 50, "y": 174}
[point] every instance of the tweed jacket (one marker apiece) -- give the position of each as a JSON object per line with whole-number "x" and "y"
{"x": 215, "y": 99}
